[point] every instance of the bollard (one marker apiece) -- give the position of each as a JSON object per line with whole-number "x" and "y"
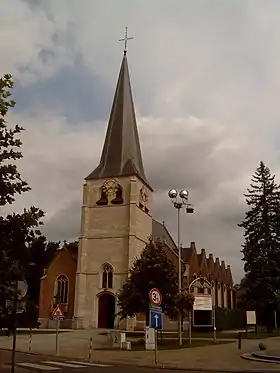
{"x": 239, "y": 340}
{"x": 90, "y": 348}
{"x": 30, "y": 339}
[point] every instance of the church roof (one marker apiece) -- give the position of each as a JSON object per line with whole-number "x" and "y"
{"x": 121, "y": 155}
{"x": 159, "y": 231}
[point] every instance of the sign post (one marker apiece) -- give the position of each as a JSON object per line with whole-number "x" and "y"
{"x": 20, "y": 291}
{"x": 57, "y": 315}
{"x": 156, "y": 319}
{"x": 190, "y": 327}
{"x": 155, "y": 309}
{"x": 251, "y": 320}
{"x": 203, "y": 304}
{"x": 214, "y": 324}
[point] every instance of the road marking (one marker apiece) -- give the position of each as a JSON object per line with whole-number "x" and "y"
{"x": 59, "y": 363}
{"x": 90, "y": 364}
{"x": 36, "y": 366}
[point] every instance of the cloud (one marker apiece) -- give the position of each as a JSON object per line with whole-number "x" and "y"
{"x": 205, "y": 79}
{"x": 73, "y": 92}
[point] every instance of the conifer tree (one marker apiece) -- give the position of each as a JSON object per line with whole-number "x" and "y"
{"x": 261, "y": 249}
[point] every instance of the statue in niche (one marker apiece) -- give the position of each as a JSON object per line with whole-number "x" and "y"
{"x": 103, "y": 201}
{"x": 118, "y": 200}
{"x": 143, "y": 199}
{"x": 143, "y": 196}
{"x": 110, "y": 190}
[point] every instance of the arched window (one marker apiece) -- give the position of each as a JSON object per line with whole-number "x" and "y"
{"x": 107, "y": 277}
{"x": 61, "y": 289}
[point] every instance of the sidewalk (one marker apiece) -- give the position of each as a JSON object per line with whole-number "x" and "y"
{"x": 75, "y": 344}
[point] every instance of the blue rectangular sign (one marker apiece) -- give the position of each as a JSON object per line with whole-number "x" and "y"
{"x": 155, "y": 319}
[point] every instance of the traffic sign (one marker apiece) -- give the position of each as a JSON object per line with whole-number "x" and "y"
{"x": 155, "y": 319}
{"x": 155, "y": 308}
{"x": 57, "y": 313}
{"x": 155, "y": 297}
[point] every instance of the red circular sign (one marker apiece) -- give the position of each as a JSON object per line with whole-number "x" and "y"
{"x": 155, "y": 297}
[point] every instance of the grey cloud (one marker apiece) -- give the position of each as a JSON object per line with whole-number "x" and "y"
{"x": 205, "y": 79}
{"x": 33, "y": 3}
{"x": 64, "y": 224}
{"x": 74, "y": 92}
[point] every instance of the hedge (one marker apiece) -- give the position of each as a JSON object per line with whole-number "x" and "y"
{"x": 227, "y": 319}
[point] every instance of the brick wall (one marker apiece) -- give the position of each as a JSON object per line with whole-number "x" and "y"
{"x": 63, "y": 264}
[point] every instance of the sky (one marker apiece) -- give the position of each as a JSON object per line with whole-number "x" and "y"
{"x": 206, "y": 84}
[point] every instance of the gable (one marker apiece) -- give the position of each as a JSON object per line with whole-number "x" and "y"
{"x": 198, "y": 263}
{"x": 203, "y": 264}
{"x": 211, "y": 268}
{"x": 63, "y": 262}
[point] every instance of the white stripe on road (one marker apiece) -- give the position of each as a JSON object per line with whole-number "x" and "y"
{"x": 59, "y": 363}
{"x": 36, "y": 366}
{"x": 90, "y": 364}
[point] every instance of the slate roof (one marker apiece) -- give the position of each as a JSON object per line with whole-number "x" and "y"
{"x": 121, "y": 155}
{"x": 160, "y": 231}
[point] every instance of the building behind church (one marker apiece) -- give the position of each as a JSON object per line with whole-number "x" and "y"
{"x": 116, "y": 223}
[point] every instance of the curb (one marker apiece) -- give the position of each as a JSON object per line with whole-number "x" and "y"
{"x": 155, "y": 366}
{"x": 254, "y": 357}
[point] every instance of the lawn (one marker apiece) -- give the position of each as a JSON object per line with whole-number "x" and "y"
{"x": 262, "y": 334}
{"x": 3, "y": 333}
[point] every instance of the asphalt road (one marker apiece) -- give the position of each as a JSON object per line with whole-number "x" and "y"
{"x": 35, "y": 363}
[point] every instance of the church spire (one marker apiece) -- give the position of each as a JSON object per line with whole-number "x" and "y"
{"x": 121, "y": 155}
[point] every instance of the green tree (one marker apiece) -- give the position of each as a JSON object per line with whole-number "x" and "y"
{"x": 11, "y": 182}
{"x": 183, "y": 304}
{"x": 261, "y": 249}
{"x": 19, "y": 233}
{"x": 152, "y": 269}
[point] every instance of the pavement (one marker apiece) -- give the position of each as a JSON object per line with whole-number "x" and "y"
{"x": 74, "y": 345}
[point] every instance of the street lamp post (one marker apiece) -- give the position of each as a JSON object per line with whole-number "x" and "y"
{"x": 180, "y": 200}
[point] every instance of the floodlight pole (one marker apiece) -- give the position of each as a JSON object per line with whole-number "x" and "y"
{"x": 179, "y": 204}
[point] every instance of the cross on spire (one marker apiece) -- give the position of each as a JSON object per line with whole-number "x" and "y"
{"x": 125, "y": 39}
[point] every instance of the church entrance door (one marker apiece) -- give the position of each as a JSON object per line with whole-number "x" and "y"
{"x": 106, "y": 311}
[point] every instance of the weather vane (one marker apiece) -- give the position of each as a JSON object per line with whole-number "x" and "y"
{"x": 125, "y": 39}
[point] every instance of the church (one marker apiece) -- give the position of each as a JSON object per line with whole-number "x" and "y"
{"x": 116, "y": 223}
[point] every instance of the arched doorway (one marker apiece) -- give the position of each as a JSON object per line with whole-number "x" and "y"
{"x": 106, "y": 311}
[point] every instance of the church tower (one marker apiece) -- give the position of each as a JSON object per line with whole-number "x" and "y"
{"x": 116, "y": 217}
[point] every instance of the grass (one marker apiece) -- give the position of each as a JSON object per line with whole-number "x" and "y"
{"x": 262, "y": 334}
{"x": 4, "y": 333}
{"x": 169, "y": 344}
